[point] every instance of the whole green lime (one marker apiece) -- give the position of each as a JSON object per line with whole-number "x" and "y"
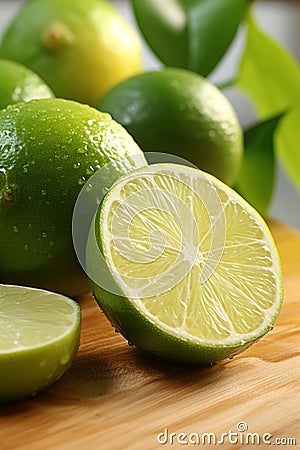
{"x": 80, "y": 48}
{"x": 179, "y": 112}
{"x": 48, "y": 150}
{"x": 19, "y": 84}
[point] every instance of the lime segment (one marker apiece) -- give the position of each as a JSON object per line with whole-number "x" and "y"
{"x": 197, "y": 265}
{"x": 40, "y": 334}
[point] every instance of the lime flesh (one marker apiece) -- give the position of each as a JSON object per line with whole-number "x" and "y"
{"x": 195, "y": 272}
{"x": 40, "y": 334}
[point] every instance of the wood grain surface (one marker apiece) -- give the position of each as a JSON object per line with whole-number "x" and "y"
{"x": 115, "y": 397}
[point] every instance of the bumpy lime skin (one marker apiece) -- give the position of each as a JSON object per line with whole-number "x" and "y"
{"x": 48, "y": 150}
{"x": 179, "y": 112}
{"x": 19, "y": 84}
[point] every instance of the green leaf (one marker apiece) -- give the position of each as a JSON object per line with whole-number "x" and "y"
{"x": 192, "y": 34}
{"x": 164, "y": 27}
{"x": 212, "y": 25}
{"x": 256, "y": 177}
{"x": 287, "y": 144}
{"x": 268, "y": 73}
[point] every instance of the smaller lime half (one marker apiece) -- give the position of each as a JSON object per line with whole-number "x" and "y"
{"x": 39, "y": 338}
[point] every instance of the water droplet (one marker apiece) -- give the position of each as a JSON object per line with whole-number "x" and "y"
{"x": 51, "y": 243}
{"x": 90, "y": 170}
{"x": 44, "y": 192}
{"x": 44, "y": 234}
{"x": 77, "y": 165}
{"x": 26, "y": 247}
{"x": 82, "y": 180}
{"x": 25, "y": 168}
{"x": 30, "y": 226}
{"x": 16, "y": 229}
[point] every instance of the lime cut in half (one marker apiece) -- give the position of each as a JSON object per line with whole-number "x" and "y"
{"x": 40, "y": 333}
{"x": 191, "y": 272}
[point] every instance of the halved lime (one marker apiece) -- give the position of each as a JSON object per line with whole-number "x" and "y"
{"x": 192, "y": 271}
{"x": 39, "y": 337}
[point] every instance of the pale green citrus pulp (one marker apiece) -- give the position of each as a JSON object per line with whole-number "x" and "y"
{"x": 40, "y": 334}
{"x": 197, "y": 266}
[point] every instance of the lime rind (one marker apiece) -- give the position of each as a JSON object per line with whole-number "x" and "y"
{"x": 130, "y": 309}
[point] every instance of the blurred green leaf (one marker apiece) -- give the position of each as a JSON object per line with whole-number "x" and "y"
{"x": 192, "y": 34}
{"x": 287, "y": 144}
{"x": 212, "y": 25}
{"x": 256, "y": 177}
{"x": 268, "y": 73}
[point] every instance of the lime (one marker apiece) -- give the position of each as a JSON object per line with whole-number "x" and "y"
{"x": 194, "y": 272}
{"x": 40, "y": 334}
{"x": 48, "y": 150}
{"x": 19, "y": 84}
{"x": 80, "y": 48}
{"x": 179, "y": 112}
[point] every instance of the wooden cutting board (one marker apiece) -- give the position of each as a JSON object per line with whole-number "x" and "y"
{"x": 115, "y": 397}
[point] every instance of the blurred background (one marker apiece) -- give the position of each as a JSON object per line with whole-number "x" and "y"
{"x": 281, "y": 19}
